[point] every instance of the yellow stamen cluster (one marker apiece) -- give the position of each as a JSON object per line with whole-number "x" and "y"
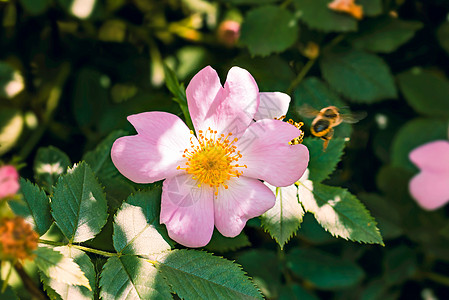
{"x": 214, "y": 160}
{"x": 299, "y": 139}
{"x": 296, "y": 140}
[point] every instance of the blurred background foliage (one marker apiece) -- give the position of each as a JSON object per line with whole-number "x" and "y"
{"x": 72, "y": 70}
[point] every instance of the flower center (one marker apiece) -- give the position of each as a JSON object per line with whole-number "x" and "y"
{"x": 214, "y": 160}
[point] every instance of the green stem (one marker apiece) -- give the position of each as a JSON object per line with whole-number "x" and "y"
{"x": 444, "y": 280}
{"x": 5, "y": 282}
{"x": 301, "y": 75}
{"x": 285, "y": 3}
{"x": 87, "y": 249}
{"x": 285, "y": 272}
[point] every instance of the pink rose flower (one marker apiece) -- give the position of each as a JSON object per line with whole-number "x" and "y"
{"x": 9, "y": 181}
{"x": 213, "y": 177}
{"x": 430, "y": 187}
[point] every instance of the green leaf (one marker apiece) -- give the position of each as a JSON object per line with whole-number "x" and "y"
{"x": 136, "y": 226}
{"x": 425, "y": 91}
{"x": 11, "y": 82}
{"x": 339, "y": 212}
{"x": 443, "y": 35}
{"x": 99, "y": 159}
{"x": 179, "y": 93}
{"x": 317, "y": 15}
{"x": 35, "y": 7}
{"x": 268, "y": 29}
{"x": 117, "y": 190}
{"x": 34, "y": 206}
{"x": 199, "y": 275}
{"x": 11, "y": 125}
{"x": 371, "y": 8}
{"x": 251, "y": 2}
{"x": 407, "y": 139}
{"x": 384, "y": 35}
{"x": 296, "y": 292}
{"x": 316, "y": 94}
{"x": 78, "y": 204}
{"x": 285, "y": 217}
{"x": 324, "y": 270}
{"x": 49, "y": 164}
{"x": 399, "y": 264}
{"x": 359, "y": 76}
{"x": 59, "y": 268}
{"x": 264, "y": 268}
{"x": 323, "y": 163}
{"x": 90, "y": 97}
{"x": 131, "y": 277}
{"x": 271, "y": 73}
{"x": 69, "y": 291}
{"x": 220, "y": 243}
{"x": 8, "y": 294}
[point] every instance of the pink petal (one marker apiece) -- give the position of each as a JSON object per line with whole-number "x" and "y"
{"x": 9, "y": 181}
{"x": 155, "y": 152}
{"x": 228, "y": 109}
{"x": 431, "y": 156}
{"x": 430, "y": 189}
{"x": 272, "y": 105}
{"x": 244, "y": 199}
{"x": 268, "y": 156}
{"x": 187, "y": 211}
{"x": 201, "y": 93}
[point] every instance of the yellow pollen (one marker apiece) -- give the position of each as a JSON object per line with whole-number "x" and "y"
{"x": 214, "y": 161}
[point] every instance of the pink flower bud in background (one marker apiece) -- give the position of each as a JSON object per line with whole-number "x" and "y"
{"x": 9, "y": 181}
{"x": 228, "y": 32}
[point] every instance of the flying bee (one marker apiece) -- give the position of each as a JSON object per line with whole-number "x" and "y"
{"x": 326, "y": 119}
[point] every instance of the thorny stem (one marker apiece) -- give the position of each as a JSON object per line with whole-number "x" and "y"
{"x": 29, "y": 283}
{"x": 87, "y": 249}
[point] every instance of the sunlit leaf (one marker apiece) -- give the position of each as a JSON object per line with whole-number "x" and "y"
{"x": 79, "y": 204}
{"x": 359, "y": 76}
{"x": 285, "y": 217}
{"x": 59, "y": 268}
{"x": 34, "y": 206}
{"x": 11, "y": 125}
{"x": 69, "y": 291}
{"x": 11, "y": 81}
{"x": 338, "y": 211}
{"x": 136, "y": 225}
{"x": 49, "y": 164}
{"x": 131, "y": 277}
{"x": 268, "y": 29}
{"x": 324, "y": 270}
{"x": 200, "y": 275}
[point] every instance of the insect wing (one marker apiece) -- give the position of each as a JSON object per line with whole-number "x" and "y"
{"x": 353, "y": 117}
{"x": 308, "y": 111}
